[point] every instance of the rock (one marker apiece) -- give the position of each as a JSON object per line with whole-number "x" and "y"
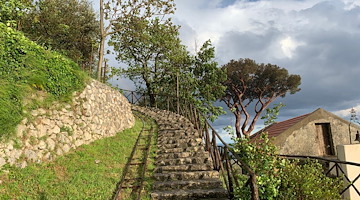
{"x": 42, "y": 130}
{"x": 2, "y": 161}
{"x": 24, "y": 121}
{"x": 46, "y": 121}
{"x": 10, "y": 146}
{"x": 42, "y": 145}
{"x": 47, "y": 156}
{"x": 97, "y": 161}
{"x": 11, "y": 161}
{"x": 50, "y": 144}
{"x": 30, "y": 155}
{"x": 59, "y": 152}
{"x": 13, "y": 156}
{"x": 79, "y": 142}
{"x": 87, "y": 136}
{"x": 66, "y": 148}
{"x": 21, "y": 165}
{"x": 41, "y": 111}
{"x": 20, "y": 129}
{"x": 31, "y": 127}
{"x": 32, "y": 133}
{"x": 34, "y": 113}
{"x": 55, "y": 130}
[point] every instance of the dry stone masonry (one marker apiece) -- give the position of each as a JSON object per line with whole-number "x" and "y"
{"x": 184, "y": 170}
{"x": 96, "y": 112}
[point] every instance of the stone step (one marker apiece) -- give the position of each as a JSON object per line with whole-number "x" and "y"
{"x": 188, "y": 184}
{"x": 177, "y": 141}
{"x": 176, "y": 131}
{"x": 174, "y": 126}
{"x": 189, "y": 194}
{"x": 180, "y": 149}
{"x": 164, "y": 138}
{"x": 182, "y": 161}
{"x": 183, "y": 168}
{"x": 182, "y": 155}
{"x": 186, "y": 175}
{"x": 180, "y": 145}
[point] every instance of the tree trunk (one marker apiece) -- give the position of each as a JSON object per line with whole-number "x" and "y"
{"x": 150, "y": 94}
{"x": 238, "y": 125}
{"x": 102, "y": 41}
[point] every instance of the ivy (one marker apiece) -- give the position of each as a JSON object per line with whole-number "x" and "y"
{"x": 25, "y": 67}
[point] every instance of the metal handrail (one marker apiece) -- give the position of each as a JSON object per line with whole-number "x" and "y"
{"x": 221, "y": 161}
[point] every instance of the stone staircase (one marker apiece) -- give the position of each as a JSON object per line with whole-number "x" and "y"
{"x": 183, "y": 168}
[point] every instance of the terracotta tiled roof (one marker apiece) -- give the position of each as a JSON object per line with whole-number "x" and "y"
{"x": 279, "y": 127}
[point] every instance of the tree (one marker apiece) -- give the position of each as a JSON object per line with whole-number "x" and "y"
{"x": 150, "y": 48}
{"x": 206, "y": 86}
{"x": 251, "y": 84}
{"x": 67, "y": 26}
{"x": 12, "y": 11}
{"x": 115, "y": 13}
{"x": 200, "y": 80}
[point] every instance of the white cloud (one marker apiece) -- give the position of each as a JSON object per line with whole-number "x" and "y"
{"x": 350, "y": 4}
{"x": 289, "y": 45}
{"x": 346, "y": 112}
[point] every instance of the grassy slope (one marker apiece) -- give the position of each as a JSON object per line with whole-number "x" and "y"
{"x": 26, "y": 69}
{"x": 75, "y": 175}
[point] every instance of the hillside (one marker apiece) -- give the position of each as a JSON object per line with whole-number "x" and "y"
{"x": 31, "y": 77}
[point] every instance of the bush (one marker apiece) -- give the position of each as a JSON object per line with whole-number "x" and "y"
{"x": 26, "y": 67}
{"x": 307, "y": 181}
{"x": 278, "y": 178}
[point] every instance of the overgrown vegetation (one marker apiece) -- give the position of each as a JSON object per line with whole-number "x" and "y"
{"x": 89, "y": 172}
{"x": 280, "y": 178}
{"x": 26, "y": 68}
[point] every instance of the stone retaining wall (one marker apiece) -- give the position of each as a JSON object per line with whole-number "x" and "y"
{"x": 97, "y": 112}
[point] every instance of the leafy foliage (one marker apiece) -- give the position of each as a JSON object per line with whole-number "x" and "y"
{"x": 251, "y": 84}
{"x": 115, "y": 16}
{"x": 205, "y": 86}
{"x": 272, "y": 113}
{"x": 302, "y": 181}
{"x": 149, "y": 48}
{"x": 279, "y": 178}
{"x": 26, "y": 67}
{"x": 67, "y": 26}
{"x": 12, "y": 11}
{"x": 158, "y": 61}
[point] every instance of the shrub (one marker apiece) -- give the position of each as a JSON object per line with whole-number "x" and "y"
{"x": 26, "y": 67}
{"x": 278, "y": 178}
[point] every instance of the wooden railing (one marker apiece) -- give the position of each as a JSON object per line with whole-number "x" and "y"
{"x": 223, "y": 159}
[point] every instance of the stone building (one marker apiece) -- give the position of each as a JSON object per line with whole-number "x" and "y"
{"x": 313, "y": 134}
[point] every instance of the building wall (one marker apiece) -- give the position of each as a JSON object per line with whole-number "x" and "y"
{"x": 301, "y": 139}
{"x": 96, "y": 112}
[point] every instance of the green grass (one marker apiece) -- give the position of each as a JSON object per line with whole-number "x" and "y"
{"x": 28, "y": 73}
{"x": 75, "y": 175}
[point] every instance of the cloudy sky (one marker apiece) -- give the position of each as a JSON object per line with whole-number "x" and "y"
{"x": 317, "y": 39}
